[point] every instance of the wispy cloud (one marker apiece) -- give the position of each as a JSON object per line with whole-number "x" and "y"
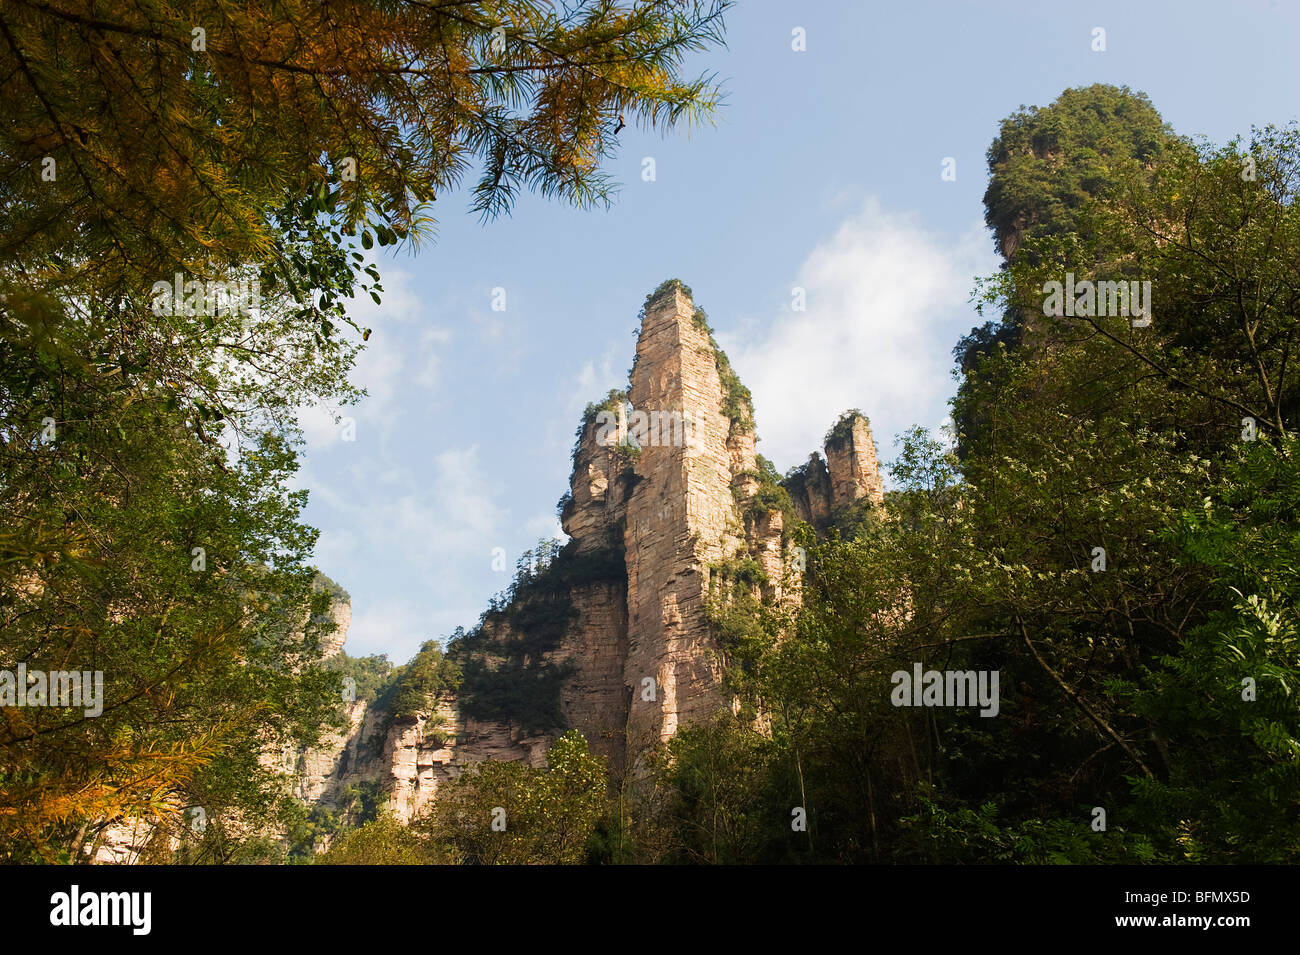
{"x": 432, "y": 532}
{"x": 886, "y": 301}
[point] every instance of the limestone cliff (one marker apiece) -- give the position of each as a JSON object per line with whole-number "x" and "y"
{"x": 609, "y": 636}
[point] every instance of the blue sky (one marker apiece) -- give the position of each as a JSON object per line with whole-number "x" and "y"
{"x": 823, "y": 171}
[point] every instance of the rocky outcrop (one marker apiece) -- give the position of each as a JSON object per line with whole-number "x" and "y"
{"x": 332, "y": 642}
{"x": 595, "y": 698}
{"x": 600, "y": 485}
{"x": 682, "y": 517}
{"x": 849, "y": 473}
{"x": 811, "y": 491}
{"x": 664, "y": 491}
{"x": 851, "y": 461}
{"x": 342, "y": 758}
{"x": 422, "y": 753}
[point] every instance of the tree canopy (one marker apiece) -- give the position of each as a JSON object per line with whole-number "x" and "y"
{"x": 192, "y": 193}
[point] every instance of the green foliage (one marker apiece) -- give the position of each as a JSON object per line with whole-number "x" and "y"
{"x": 306, "y": 827}
{"x": 384, "y": 841}
{"x": 543, "y": 817}
{"x": 1046, "y": 166}
{"x": 1233, "y": 753}
{"x": 1047, "y": 163}
{"x": 321, "y": 582}
{"x": 742, "y": 571}
{"x": 737, "y": 402}
{"x": 796, "y": 478}
{"x": 613, "y": 402}
{"x": 362, "y": 803}
{"x": 965, "y": 835}
{"x": 563, "y": 505}
{"x": 723, "y": 787}
{"x": 1121, "y": 689}
{"x": 419, "y": 684}
{"x": 251, "y": 126}
{"x": 770, "y": 496}
{"x": 371, "y": 675}
{"x": 132, "y": 433}
{"x": 666, "y": 286}
{"x": 206, "y": 662}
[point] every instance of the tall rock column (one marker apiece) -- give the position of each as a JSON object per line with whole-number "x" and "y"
{"x": 851, "y": 459}
{"x": 680, "y": 516}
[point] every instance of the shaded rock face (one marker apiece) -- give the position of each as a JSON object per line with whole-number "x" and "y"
{"x": 812, "y": 500}
{"x": 599, "y": 487}
{"x": 594, "y": 699}
{"x": 637, "y": 653}
{"x": 342, "y": 758}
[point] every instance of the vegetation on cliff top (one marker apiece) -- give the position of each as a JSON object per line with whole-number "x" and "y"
{"x": 323, "y": 583}
{"x": 420, "y": 684}
{"x": 1046, "y": 166}
{"x": 840, "y": 432}
{"x": 664, "y": 287}
{"x": 370, "y": 675}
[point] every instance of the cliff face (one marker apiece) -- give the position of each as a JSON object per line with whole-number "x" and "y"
{"x": 663, "y": 481}
{"x": 851, "y": 461}
{"x": 681, "y": 517}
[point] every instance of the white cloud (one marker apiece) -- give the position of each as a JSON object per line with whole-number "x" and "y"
{"x": 545, "y": 525}
{"x": 590, "y": 384}
{"x": 427, "y": 524}
{"x": 383, "y": 360}
{"x": 467, "y": 500}
{"x": 400, "y": 301}
{"x": 491, "y": 325}
{"x": 886, "y": 302}
{"x": 398, "y": 629}
{"x": 430, "y": 361}
{"x": 318, "y": 425}
{"x": 432, "y": 532}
